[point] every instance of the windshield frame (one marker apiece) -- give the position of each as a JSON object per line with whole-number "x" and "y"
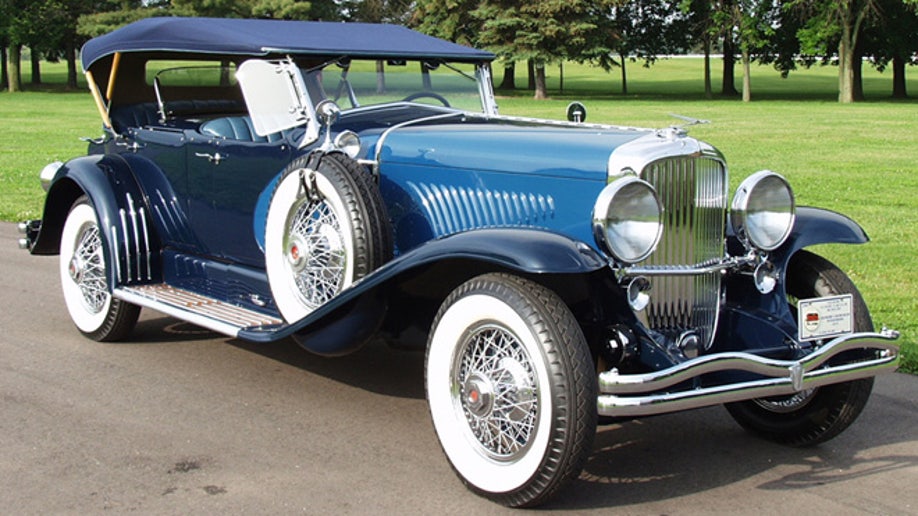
{"x": 430, "y": 76}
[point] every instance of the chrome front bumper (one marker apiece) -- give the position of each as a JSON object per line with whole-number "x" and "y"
{"x": 646, "y": 394}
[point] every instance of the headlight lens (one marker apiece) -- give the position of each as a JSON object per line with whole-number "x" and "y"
{"x": 349, "y": 143}
{"x": 627, "y": 219}
{"x": 763, "y": 211}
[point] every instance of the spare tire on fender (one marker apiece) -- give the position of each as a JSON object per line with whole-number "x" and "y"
{"x": 326, "y": 228}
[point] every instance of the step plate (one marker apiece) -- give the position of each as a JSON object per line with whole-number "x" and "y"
{"x": 205, "y": 311}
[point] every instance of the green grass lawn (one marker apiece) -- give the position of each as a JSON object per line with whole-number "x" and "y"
{"x": 858, "y": 159}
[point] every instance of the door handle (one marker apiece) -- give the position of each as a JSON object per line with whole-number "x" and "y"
{"x": 214, "y": 158}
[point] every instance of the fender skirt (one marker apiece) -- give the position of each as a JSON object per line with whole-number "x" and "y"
{"x": 343, "y": 324}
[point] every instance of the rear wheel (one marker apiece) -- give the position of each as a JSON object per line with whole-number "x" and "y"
{"x": 815, "y": 415}
{"x": 511, "y": 388}
{"x": 84, "y": 279}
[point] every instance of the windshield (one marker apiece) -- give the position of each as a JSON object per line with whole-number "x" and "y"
{"x": 365, "y": 83}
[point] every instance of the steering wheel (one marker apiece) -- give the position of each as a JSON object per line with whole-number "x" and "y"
{"x": 427, "y": 94}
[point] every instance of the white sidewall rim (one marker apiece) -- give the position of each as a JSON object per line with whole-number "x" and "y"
{"x": 283, "y": 288}
{"x": 451, "y": 426}
{"x": 86, "y": 321}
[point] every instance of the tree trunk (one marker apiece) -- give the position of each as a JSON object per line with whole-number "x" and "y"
{"x": 845, "y": 68}
{"x": 898, "y": 68}
{"x": 728, "y": 86}
{"x": 622, "y": 59}
{"x": 857, "y": 66}
{"x": 509, "y": 80}
{"x": 561, "y": 77}
{"x": 4, "y": 72}
{"x": 15, "y": 77}
{"x": 425, "y": 77}
{"x": 747, "y": 77}
{"x": 541, "y": 91}
{"x": 708, "y": 91}
{"x": 531, "y": 81}
{"x": 36, "y": 66}
{"x": 71, "y": 66}
{"x": 380, "y": 77}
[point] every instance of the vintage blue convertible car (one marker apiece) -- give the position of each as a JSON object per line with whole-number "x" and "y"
{"x": 337, "y": 182}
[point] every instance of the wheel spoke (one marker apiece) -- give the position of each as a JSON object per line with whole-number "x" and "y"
{"x": 89, "y": 269}
{"x": 317, "y": 226}
{"x": 497, "y": 391}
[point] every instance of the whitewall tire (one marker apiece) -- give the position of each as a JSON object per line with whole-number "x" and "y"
{"x": 511, "y": 388}
{"x": 84, "y": 279}
{"x": 325, "y": 229}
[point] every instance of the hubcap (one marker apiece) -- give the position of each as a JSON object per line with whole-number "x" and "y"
{"x": 496, "y": 392}
{"x": 479, "y": 396}
{"x": 76, "y": 269}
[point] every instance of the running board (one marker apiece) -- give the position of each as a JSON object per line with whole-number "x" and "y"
{"x": 204, "y": 311}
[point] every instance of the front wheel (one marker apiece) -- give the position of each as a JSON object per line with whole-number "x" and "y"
{"x": 511, "y": 388}
{"x": 84, "y": 279}
{"x": 814, "y": 415}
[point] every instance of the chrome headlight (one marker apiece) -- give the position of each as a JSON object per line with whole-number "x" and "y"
{"x": 349, "y": 143}
{"x": 627, "y": 219}
{"x": 47, "y": 174}
{"x": 763, "y": 211}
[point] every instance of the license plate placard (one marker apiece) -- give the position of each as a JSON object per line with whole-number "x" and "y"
{"x": 825, "y": 317}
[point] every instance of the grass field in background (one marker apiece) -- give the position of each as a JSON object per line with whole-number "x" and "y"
{"x": 858, "y": 159}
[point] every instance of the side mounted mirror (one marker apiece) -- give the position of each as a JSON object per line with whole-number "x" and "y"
{"x": 576, "y": 112}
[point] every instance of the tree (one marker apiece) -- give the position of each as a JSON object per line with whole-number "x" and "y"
{"x": 892, "y": 41}
{"x": 452, "y": 20}
{"x": 5, "y": 17}
{"x": 701, "y": 23}
{"x": 841, "y": 20}
{"x": 448, "y": 19}
{"x": 22, "y": 25}
{"x": 752, "y": 23}
{"x": 273, "y": 9}
{"x": 378, "y": 11}
{"x": 645, "y": 29}
{"x": 544, "y": 32}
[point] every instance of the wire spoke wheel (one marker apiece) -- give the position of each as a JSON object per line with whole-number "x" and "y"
{"x": 317, "y": 252}
{"x": 326, "y": 228}
{"x": 84, "y": 279}
{"x": 511, "y": 388}
{"x": 87, "y": 269}
{"x": 496, "y": 387}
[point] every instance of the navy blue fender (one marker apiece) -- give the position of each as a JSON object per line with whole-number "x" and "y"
{"x": 330, "y": 330}
{"x": 751, "y": 315}
{"x": 819, "y": 226}
{"x": 123, "y": 214}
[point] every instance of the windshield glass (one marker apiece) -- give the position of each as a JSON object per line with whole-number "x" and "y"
{"x": 366, "y": 83}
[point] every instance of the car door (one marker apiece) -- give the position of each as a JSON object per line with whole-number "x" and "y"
{"x": 225, "y": 178}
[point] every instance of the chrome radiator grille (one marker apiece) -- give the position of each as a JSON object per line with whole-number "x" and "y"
{"x": 694, "y": 197}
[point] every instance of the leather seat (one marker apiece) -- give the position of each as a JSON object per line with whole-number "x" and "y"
{"x": 237, "y": 128}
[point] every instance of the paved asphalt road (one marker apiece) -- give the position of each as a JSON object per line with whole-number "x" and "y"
{"x": 182, "y": 420}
